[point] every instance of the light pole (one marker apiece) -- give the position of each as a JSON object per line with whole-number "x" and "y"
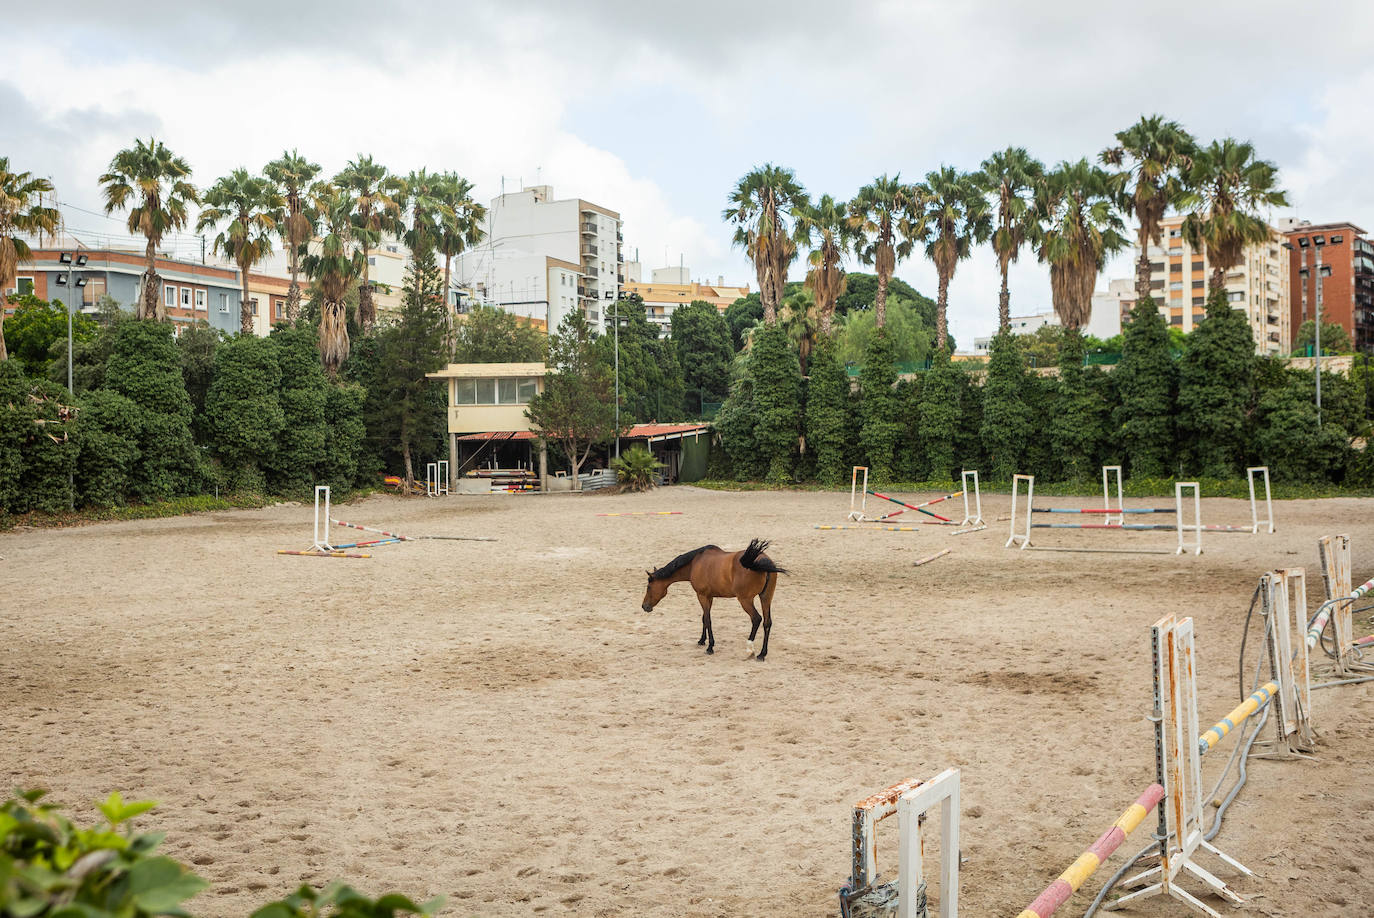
{"x": 77, "y": 261}
{"x": 617, "y": 377}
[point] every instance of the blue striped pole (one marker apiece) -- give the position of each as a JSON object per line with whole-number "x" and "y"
{"x": 1114, "y": 511}
{"x": 1135, "y": 526}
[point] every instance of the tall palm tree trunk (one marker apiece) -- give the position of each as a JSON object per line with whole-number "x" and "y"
{"x": 1142, "y": 275}
{"x": 4, "y": 354}
{"x": 293, "y": 293}
{"x": 152, "y": 305}
{"x": 367, "y": 312}
{"x": 880, "y": 300}
{"x": 450, "y": 313}
{"x": 941, "y": 303}
{"x": 333, "y": 336}
{"x": 245, "y": 308}
{"x": 1003, "y": 299}
{"x": 1217, "y": 280}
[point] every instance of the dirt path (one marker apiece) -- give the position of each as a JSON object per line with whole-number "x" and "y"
{"x": 500, "y": 723}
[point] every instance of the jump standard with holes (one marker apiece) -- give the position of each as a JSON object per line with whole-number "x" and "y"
{"x": 322, "y": 547}
{"x": 1276, "y": 698}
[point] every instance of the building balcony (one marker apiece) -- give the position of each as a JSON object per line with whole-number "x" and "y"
{"x": 1272, "y": 318}
{"x": 588, "y": 249}
{"x": 589, "y": 228}
{"x": 1274, "y": 337}
{"x": 619, "y": 258}
{"x": 620, "y": 278}
{"x": 619, "y": 236}
{"x": 590, "y": 271}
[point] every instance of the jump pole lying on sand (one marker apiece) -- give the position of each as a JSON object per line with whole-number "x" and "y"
{"x": 401, "y": 538}
{"x": 869, "y": 528}
{"x": 1058, "y": 892}
{"x": 929, "y": 558}
{"x": 645, "y": 513}
{"x": 1338, "y": 607}
{"x": 1022, "y": 539}
{"x": 322, "y": 554}
{"x": 909, "y": 800}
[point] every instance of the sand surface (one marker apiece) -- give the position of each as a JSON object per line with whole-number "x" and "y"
{"x": 500, "y": 723}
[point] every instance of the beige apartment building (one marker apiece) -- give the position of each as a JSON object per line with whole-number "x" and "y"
{"x": 1258, "y": 286}
{"x": 671, "y": 288}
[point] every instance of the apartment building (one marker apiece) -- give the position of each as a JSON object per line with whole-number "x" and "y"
{"x": 543, "y": 257}
{"x": 673, "y": 287}
{"x": 1112, "y": 308}
{"x": 191, "y": 291}
{"x": 1333, "y": 262}
{"x": 1258, "y": 286}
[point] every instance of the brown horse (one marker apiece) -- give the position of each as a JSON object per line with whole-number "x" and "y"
{"x": 716, "y": 573}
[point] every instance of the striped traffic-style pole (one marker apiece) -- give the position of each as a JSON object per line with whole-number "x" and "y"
{"x": 1218, "y": 732}
{"x": 1319, "y": 623}
{"x": 382, "y": 532}
{"x": 1058, "y": 892}
{"x": 917, "y": 507}
{"x": 1113, "y": 511}
{"x": 872, "y": 528}
{"x": 369, "y": 542}
{"x": 1135, "y": 526}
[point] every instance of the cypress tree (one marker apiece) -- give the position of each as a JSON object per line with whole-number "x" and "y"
{"x": 735, "y": 422}
{"x": 777, "y": 401}
{"x": 1146, "y": 382}
{"x": 243, "y": 412}
{"x": 301, "y": 451}
{"x": 343, "y": 415}
{"x": 145, "y": 367}
{"x": 108, "y": 425}
{"x": 1077, "y": 430}
{"x": 826, "y": 401}
{"x": 1006, "y": 428}
{"x": 940, "y": 411}
{"x": 880, "y": 422}
{"x": 1214, "y": 390}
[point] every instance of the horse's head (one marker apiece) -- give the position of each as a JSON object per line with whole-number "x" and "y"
{"x": 655, "y": 591}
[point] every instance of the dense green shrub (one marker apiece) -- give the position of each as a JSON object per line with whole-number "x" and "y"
{"x": 777, "y": 401}
{"x": 343, "y": 415}
{"x": 826, "y": 400}
{"x": 880, "y": 425}
{"x": 1078, "y": 429}
{"x": 144, "y": 366}
{"x": 1006, "y": 429}
{"x": 940, "y": 415}
{"x": 1215, "y": 377}
{"x": 302, "y": 450}
{"x": 635, "y": 468}
{"x": 243, "y": 414}
{"x": 1146, "y": 380}
{"x": 108, "y": 426}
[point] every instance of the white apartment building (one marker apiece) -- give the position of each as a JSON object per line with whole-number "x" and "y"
{"x": 1111, "y": 307}
{"x": 1020, "y": 325}
{"x": 1258, "y": 286}
{"x": 543, "y": 258}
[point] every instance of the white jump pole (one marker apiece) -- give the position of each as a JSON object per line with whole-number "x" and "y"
{"x": 1196, "y": 528}
{"x": 441, "y": 479}
{"x": 321, "y": 523}
{"x": 972, "y": 521}
{"x": 1268, "y": 501}
{"x": 1025, "y": 537}
{"x": 855, "y": 492}
{"x": 431, "y": 473}
{"x": 1107, "y": 498}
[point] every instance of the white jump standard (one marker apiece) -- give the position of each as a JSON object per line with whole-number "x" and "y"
{"x": 973, "y": 514}
{"x": 1022, "y": 538}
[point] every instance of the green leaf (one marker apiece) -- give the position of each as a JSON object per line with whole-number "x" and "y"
{"x": 159, "y": 884}
{"x": 117, "y": 811}
{"x": 276, "y": 910}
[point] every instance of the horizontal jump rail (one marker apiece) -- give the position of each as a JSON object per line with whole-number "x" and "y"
{"x": 1219, "y": 731}
{"x": 1135, "y": 526}
{"x": 1113, "y": 511}
{"x": 645, "y": 513}
{"x": 1058, "y": 892}
{"x": 323, "y": 554}
{"x": 381, "y": 532}
{"x": 1319, "y": 623}
{"x": 919, "y": 507}
{"x": 872, "y": 528}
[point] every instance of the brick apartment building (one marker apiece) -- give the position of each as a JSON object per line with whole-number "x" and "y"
{"x": 1346, "y": 281}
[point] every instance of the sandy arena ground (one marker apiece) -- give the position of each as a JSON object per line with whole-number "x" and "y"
{"x": 500, "y": 723}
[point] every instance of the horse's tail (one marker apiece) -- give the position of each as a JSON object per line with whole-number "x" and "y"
{"x": 752, "y": 558}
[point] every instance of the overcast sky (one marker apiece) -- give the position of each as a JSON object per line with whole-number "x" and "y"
{"x": 656, "y": 109}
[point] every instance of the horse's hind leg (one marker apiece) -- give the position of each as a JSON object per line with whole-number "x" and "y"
{"x": 706, "y": 630}
{"x": 766, "y": 600}
{"x": 747, "y": 602}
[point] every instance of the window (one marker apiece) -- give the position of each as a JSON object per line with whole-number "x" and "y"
{"x": 1176, "y": 268}
{"x": 465, "y": 392}
{"x": 23, "y": 286}
{"x": 253, "y": 306}
{"x": 279, "y": 308}
{"x": 1198, "y": 285}
{"x": 169, "y": 295}
{"x": 1175, "y": 320}
{"x": 486, "y": 392}
{"x": 224, "y": 302}
{"x": 1175, "y": 232}
{"x": 1235, "y": 296}
{"x": 1176, "y": 285}
{"x": 372, "y": 260}
{"x": 201, "y": 301}
{"x": 1199, "y": 300}
{"x": 1197, "y": 265}
{"x": 505, "y": 391}
{"x": 528, "y": 387}
{"x": 1176, "y": 250}
{"x": 1157, "y": 284}
{"x": 185, "y": 297}
{"x": 1156, "y": 266}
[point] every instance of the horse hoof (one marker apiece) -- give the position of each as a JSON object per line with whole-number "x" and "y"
{"x": 710, "y": 650}
{"x": 758, "y": 659}
{"x": 701, "y": 642}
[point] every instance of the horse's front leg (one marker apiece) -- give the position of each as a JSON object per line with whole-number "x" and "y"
{"x": 747, "y": 603}
{"x": 706, "y": 631}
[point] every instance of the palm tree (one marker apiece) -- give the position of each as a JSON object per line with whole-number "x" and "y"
{"x": 1077, "y": 227}
{"x": 760, "y": 206}
{"x": 882, "y": 226}
{"x": 21, "y": 213}
{"x": 1226, "y": 185}
{"x": 1009, "y": 177}
{"x": 337, "y": 267}
{"x": 460, "y": 229}
{"x": 823, "y": 228}
{"x": 292, "y": 174}
{"x": 251, "y": 206}
{"x": 800, "y": 317}
{"x": 375, "y": 211}
{"x": 953, "y": 218}
{"x": 159, "y": 180}
{"x": 419, "y": 193}
{"x": 1160, "y": 152}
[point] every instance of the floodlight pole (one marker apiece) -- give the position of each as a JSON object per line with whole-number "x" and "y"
{"x": 1317, "y": 331}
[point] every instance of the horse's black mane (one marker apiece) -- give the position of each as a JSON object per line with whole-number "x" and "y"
{"x": 678, "y": 563}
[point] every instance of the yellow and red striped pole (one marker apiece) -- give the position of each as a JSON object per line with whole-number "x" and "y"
{"x": 1058, "y": 892}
